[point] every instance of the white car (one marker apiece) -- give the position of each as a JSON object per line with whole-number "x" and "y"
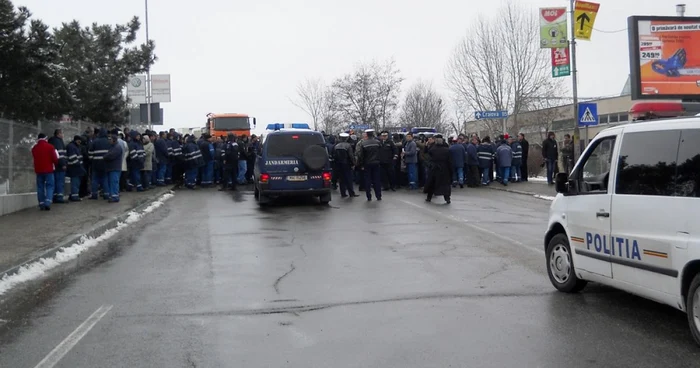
{"x": 628, "y": 216}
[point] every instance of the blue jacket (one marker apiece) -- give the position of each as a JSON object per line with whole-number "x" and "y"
{"x": 175, "y": 151}
{"x": 485, "y": 153}
{"x": 137, "y": 155}
{"x": 60, "y": 147}
{"x": 410, "y": 152}
{"x": 97, "y": 150}
{"x": 207, "y": 155}
{"x": 505, "y": 155}
{"x": 472, "y": 156}
{"x": 517, "y": 153}
{"x": 192, "y": 154}
{"x": 113, "y": 158}
{"x": 75, "y": 161}
{"x": 457, "y": 152}
{"x": 161, "y": 148}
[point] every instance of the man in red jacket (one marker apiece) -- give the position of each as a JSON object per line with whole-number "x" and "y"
{"x": 45, "y": 161}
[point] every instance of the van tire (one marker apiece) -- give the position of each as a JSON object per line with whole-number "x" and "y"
{"x": 325, "y": 199}
{"x": 315, "y": 157}
{"x": 256, "y": 193}
{"x": 560, "y": 266}
{"x": 692, "y": 303}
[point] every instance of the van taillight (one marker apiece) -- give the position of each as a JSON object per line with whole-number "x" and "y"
{"x": 264, "y": 178}
{"x": 326, "y": 176}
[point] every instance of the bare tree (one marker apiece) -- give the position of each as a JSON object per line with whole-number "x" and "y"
{"x": 369, "y": 95}
{"x": 423, "y": 106}
{"x": 389, "y": 83}
{"x": 330, "y": 119}
{"x": 311, "y": 94}
{"x": 499, "y": 65}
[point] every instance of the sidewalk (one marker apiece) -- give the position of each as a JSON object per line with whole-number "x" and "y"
{"x": 29, "y": 233}
{"x": 534, "y": 187}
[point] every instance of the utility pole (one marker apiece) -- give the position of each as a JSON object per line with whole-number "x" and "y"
{"x": 149, "y": 97}
{"x": 574, "y": 82}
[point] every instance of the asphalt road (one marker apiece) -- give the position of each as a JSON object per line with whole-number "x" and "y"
{"x": 211, "y": 280}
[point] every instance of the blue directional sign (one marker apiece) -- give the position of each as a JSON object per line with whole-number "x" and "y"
{"x": 358, "y": 127}
{"x": 491, "y": 114}
{"x": 588, "y": 114}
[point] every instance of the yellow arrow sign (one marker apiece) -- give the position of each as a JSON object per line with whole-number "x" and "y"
{"x": 584, "y": 15}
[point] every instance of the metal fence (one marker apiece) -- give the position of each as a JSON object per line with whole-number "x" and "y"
{"x": 16, "y": 142}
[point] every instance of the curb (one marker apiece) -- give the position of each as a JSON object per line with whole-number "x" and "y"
{"x": 531, "y": 194}
{"x": 94, "y": 232}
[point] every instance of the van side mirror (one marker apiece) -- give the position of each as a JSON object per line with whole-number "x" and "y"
{"x": 255, "y": 122}
{"x": 561, "y": 183}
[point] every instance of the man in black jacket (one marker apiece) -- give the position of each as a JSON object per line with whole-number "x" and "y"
{"x": 550, "y": 153}
{"x": 230, "y": 155}
{"x": 388, "y": 156}
{"x": 60, "y": 172}
{"x": 368, "y": 159}
{"x": 526, "y": 152}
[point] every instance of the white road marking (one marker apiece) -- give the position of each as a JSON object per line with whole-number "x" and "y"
{"x": 69, "y": 342}
{"x": 475, "y": 227}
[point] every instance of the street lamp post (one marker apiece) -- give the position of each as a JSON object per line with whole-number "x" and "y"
{"x": 574, "y": 81}
{"x": 149, "y": 97}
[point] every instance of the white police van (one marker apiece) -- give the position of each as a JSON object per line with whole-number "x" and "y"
{"x": 628, "y": 216}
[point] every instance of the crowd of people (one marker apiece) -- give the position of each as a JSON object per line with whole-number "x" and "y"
{"x": 431, "y": 162}
{"x": 103, "y": 163}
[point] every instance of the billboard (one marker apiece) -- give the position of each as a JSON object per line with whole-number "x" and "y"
{"x": 664, "y": 57}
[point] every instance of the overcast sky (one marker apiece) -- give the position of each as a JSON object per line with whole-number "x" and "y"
{"x": 248, "y": 56}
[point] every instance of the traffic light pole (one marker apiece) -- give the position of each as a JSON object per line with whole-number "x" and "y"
{"x": 574, "y": 81}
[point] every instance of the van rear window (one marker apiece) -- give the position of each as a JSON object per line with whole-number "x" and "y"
{"x": 291, "y": 145}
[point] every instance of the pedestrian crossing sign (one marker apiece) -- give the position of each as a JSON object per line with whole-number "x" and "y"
{"x": 587, "y": 114}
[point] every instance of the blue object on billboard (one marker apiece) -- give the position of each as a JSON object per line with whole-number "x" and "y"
{"x": 588, "y": 114}
{"x": 478, "y": 115}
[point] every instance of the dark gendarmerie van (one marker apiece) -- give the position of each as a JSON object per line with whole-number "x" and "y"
{"x": 293, "y": 162}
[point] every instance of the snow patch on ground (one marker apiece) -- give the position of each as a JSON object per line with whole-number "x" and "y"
{"x": 540, "y": 196}
{"x": 38, "y": 268}
{"x": 538, "y": 179}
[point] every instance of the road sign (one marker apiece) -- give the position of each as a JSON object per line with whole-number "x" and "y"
{"x": 358, "y": 127}
{"x": 587, "y": 114}
{"x": 491, "y": 114}
{"x": 585, "y": 14}
{"x": 553, "y": 27}
{"x": 560, "y": 62}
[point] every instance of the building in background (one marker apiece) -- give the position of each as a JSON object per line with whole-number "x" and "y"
{"x": 196, "y": 131}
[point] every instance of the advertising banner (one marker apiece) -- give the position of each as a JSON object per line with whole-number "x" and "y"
{"x": 665, "y": 57}
{"x": 160, "y": 87}
{"x": 560, "y": 63}
{"x": 553, "y": 28}
{"x": 136, "y": 88}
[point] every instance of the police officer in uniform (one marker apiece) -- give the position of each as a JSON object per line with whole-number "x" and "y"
{"x": 345, "y": 162}
{"x": 368, "y": 158}
{"x": 230, "y": 155}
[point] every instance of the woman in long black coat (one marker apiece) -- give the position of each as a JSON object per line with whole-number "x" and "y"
{"x": 439, "y": 180}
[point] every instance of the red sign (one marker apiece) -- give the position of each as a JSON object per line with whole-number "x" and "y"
{"x": 560, "y": 57}
{"x": 552, "y": 14}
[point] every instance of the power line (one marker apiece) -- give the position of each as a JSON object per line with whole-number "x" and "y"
{"x": 603, "y": 31}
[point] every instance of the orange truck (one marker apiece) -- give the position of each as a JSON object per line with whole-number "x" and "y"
{"x": 219, "y": 125}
